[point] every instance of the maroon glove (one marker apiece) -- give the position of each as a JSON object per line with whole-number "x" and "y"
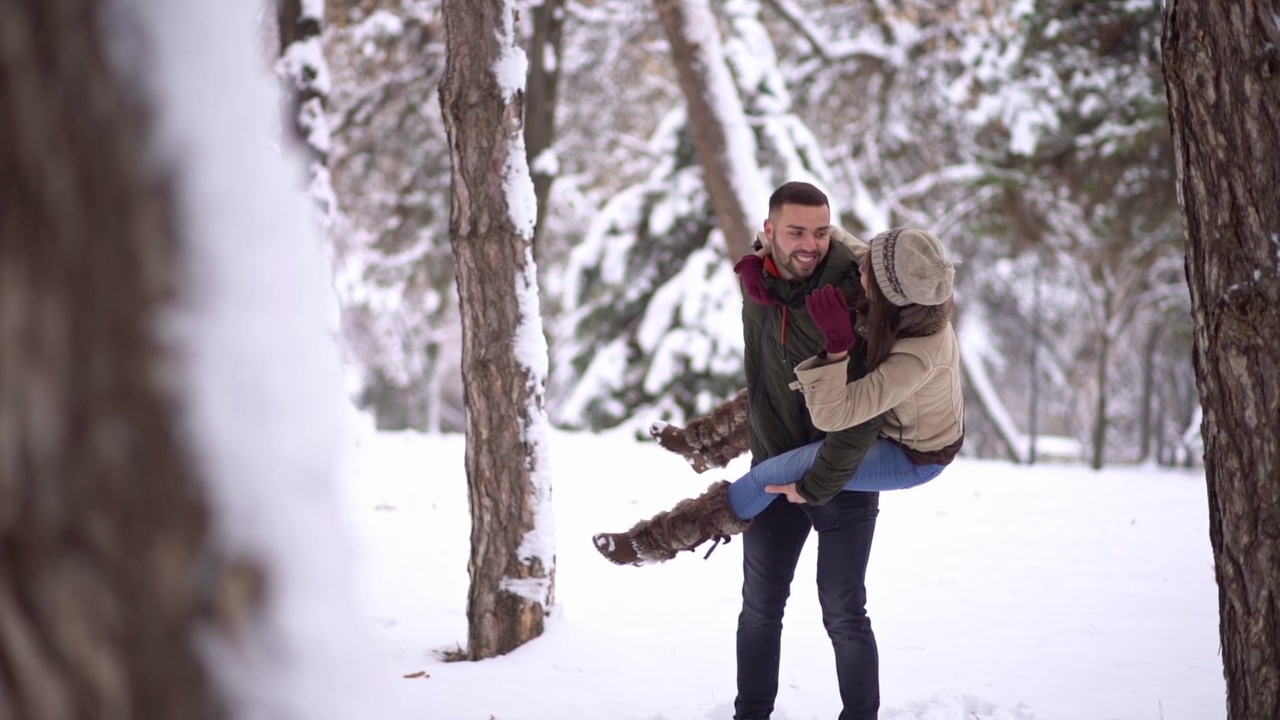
{"x": 830, "y": 313}
{"x": 751, "y": 269}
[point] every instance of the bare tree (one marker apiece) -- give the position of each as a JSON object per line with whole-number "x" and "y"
{"x": 545, "y": 57}
{"x": 723, "y": 142}
{"x": 103, "y": 523}
{"x": 1222, "y": 69}
{"x": 503, "y": 352}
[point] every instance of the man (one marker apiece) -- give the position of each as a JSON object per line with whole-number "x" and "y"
{"x": 778, "y": 334}
{"x": 798, "y": 256}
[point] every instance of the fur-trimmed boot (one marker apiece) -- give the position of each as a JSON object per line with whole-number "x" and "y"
{"x": 689, "y": 524}
{"x": 710, "y": 441}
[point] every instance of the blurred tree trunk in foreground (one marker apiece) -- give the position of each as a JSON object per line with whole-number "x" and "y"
{"x": 102, "y": 519}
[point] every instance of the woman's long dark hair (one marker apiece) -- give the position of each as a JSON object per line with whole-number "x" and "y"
{"x": 881, "y": 326}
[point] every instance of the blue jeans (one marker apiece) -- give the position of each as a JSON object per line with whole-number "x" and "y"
{"x": 884, "y": 467}
{"x": 770, "y": 550}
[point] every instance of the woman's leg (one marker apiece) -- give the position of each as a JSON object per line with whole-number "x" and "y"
{"x": 887, "y": 467}
{"x": 884, "y": 467}
{"x": 746, "y": 494}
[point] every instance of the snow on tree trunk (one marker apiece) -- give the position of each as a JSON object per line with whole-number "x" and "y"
{"x": 1222, "y": 69}
{"x": 722, "y": 138}
{"x": 103, "y": 523}
{"x": 504, "y": 353}
{"x": 302, "y": 63}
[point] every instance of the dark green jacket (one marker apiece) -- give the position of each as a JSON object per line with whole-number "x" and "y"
{"x": 777, "y": 339}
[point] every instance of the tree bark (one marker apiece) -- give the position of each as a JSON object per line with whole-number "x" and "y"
{"x": 1222, "y": 70}
{"x": 1102, "y": 373}
{"x": 484, "y": 122}
{"x": 304, "y": 91}
{"x": 102, "y": 520}
{"x": 710, "y": 139}
{"x": 544, "y": 91}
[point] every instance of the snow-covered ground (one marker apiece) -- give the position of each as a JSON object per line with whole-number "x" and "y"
{"x": 997, "y": 592}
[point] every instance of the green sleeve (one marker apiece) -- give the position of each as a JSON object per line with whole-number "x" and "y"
{"x": 842, "y": 451}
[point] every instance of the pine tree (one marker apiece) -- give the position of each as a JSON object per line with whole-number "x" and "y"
{"x": 1220, "y": 63}
{"x": 504, "y": 353}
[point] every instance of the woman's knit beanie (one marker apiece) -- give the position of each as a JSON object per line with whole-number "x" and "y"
{"x": 910, "y": 267}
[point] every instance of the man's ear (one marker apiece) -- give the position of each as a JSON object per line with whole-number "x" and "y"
{"x": 766, "y": 237}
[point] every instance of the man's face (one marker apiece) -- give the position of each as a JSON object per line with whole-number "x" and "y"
{"x": 800, "y": 236}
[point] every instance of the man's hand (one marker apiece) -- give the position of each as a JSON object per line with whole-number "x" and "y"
{"x": 789, "y": 490}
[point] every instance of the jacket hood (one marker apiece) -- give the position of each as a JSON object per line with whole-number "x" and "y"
{"x": 924, "y": 320}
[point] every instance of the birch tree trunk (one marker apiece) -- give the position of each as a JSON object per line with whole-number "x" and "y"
{"x": 102, "y": 519}
{"x": 491, "y": 227}
{"x": 722, "y": 139}
{"x": 1222, "y": 70}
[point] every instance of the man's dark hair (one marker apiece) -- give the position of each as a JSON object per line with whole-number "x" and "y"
{"x": 797, "y": 193}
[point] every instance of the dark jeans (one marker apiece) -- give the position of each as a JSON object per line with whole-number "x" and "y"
{"x": 771, "y": 549}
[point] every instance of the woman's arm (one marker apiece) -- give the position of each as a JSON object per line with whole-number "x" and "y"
{"x": 835, "y": 404}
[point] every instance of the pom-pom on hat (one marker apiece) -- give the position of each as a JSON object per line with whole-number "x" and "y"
{"x": 910, "y": 267}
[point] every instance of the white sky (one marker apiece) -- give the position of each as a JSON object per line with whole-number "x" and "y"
{"x": 997, "y": 592}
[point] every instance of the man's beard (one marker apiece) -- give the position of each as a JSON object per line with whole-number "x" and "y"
{"x": 795, "y": 273}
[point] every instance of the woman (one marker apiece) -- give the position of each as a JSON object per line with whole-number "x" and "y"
{"x": 913, "y": 380}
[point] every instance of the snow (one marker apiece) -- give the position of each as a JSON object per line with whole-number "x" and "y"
{"x": 975, "y": 349}
{"x": 379, "y": 24}
{"x": 530, "y": 342}
{"x": 705, "y": 291}
{"x": 512, "y": 66}
{"x": 312, "y": 119}
{"x": 547, "y": 162}
{"x": 256, "y": 368}
{"x": 531, "y": 354}
{"x": 522, "y": 202}
{"x": 602, "y": 375}
{"x": 998, "y": 592}
{"x": 303, "y": 56}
